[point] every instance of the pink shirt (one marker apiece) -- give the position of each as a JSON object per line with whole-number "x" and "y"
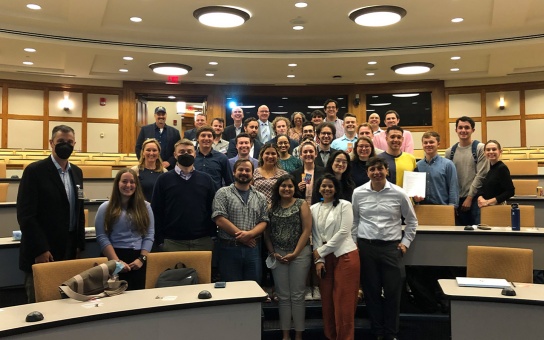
{"x": 407, "y": 143}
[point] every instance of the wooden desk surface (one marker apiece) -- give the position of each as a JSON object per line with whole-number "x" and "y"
{"x": 59, "y": 313}
{"x": 526, "y": 293}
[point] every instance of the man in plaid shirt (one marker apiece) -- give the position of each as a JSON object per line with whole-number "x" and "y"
{"x": 241, "y": 213}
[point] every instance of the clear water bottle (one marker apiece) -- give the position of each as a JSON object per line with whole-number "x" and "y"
{"x": 515, "y": 216}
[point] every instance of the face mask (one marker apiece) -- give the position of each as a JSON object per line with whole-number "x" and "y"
{"x": 186, "y": 160}
{"x": 64, "y": 150}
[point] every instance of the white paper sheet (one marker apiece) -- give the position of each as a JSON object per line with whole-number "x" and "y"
{"x": 414, "y": 183}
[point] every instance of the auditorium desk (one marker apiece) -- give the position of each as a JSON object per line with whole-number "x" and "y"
{"x": 483, "y": 313}
{"x": 538, "y": 202}
{"x": 447, "y": 246}
{"x": 233, "y": 313}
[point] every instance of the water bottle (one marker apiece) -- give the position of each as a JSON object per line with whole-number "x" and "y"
{"x": 515, "y": 217}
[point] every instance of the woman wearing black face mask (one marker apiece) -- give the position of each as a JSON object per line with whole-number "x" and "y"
{"x": 150, "y": 166}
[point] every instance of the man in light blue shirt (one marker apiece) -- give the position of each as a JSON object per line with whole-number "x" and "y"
{"x": 347, "y": 141}
{"x": 442, "y": 187}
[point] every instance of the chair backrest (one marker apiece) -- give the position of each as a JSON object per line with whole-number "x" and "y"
{"x": 512, "y": 264}
{"x": 428, "y": 214}
{"x": 49, "y": 276}
{"x": 159, "y": 262}
{"x": 499, "y": 215}
{"x": 3, "y": 171}
{"x": 522, "y": 167}
{"x": 96, "y": 171}
{"x": 4, "y": 191}
{"x": 525, "y": 186}
{"x": 86, "y": 213}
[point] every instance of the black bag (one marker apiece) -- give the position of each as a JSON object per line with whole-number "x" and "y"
{"x": 178, "y": 276}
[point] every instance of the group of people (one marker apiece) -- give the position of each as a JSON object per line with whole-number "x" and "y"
{"x": 322, "y": 196}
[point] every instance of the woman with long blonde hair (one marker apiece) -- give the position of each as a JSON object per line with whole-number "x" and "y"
{"x": 150, "y": 166}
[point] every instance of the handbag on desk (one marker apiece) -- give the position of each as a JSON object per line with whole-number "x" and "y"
{"x": 96, "y": 282}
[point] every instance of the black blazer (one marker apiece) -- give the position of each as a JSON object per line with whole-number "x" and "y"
{"x": 43, "y": 212}
{"x": 230, "y": 132}
{"x": 319, "y": 161}
{"x": 167, "y": 149}
{"x": 233, "y": 152}
{"x": 319, "y": 171}
{"x": 190, "y": 134}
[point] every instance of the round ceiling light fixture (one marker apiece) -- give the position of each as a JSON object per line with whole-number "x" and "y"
{"x": 170, "y": 69}
{"x": 412, "y": 68}
{"x": 377, "y": 16}
{"x": 221, "y": 16}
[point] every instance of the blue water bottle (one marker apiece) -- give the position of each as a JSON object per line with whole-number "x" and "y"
{"x": 515, "y": 217}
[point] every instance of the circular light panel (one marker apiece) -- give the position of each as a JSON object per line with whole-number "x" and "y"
{"x": 377, "y": 16}
{"x": 301, "y": 4}
{"x": 455, "y": 58}
{"x": 213, "y": 63}
{"x": 221, "y": 16}
{"x": 170, "y": 69}
{"x": 128, "y": 58}
{"x": 457, "y": 20}
{"x": 28, "y": 63}
{"x": 298, "y": 28}
{"x": 412, "y": 68}
{"x": 136, "y": 19}
{"x": 30, "y": 50}
{"x": 33, "y": 6}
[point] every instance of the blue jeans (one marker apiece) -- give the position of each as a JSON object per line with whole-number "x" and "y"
{"x": 470, "y": 217}
{"x": 240, "y": 263}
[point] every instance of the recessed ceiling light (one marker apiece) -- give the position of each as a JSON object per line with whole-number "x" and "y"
{"x": 455, "y": 69}
{"x": 279, "y": 106}
{"x": 298, "y": 27}
{"x": 340, "y": 98}
{"x": 210, "y": 74}
{"x": 128, "y": 58}
{"x": 171, "y": 97}
{"x": 380, "y": 104}
{"x": 292, "y": 65}
{"x": 412, "y": 68}
{"x": 290, "y": 76}
{"x": 405, "y": 95}
{"x": 372, "y": 62}
{"x": 136, "y": 19}
{"x": 34, "y": 6}
{"x": 455, "y": 58}
{"x": 377, "y": 16}
{"x": 370, "y": 73}
{"x": 170, "y": 69}
{"x": 30, "y": 50}
{"x": 284, "y": 98}
{"x": 213, "y": 63}
{"x": 374, "y": 96}
{"x": 301, "y": 4}
{"x": 124, "y": 70}
{"x": 456, "y": 20}
{"x": 28, "y": 63}
{"x": 222, "y": 16}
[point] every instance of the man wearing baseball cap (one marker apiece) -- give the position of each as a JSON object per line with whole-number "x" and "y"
{"x": 166, "y": 135}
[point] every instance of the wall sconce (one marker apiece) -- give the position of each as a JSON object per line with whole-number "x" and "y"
{"x": 66, "y": 104}
{"x": 181, "y": 108}
{"x": 501, "y": 103}
{"x": 357, "y": 100}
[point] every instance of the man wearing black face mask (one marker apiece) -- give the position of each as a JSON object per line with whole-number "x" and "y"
{"x": 50, "y": 208}
{"x": 182, "y": 204}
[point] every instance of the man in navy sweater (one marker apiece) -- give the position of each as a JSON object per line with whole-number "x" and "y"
{"x": 182, "y": 204}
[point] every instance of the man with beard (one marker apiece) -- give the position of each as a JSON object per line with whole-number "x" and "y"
{"x": 325, "y": 133}
{"x": 219, "y": 144}
{"x": 235, "y": 129}
{"x": 397, "y": 161}
{"x": 182, "y": 204}
{"x": 50, "y": 208}
{"x": 166, "y": 135}
{"x": 251, "y": 127}
{"x": 241, "y": 213}
{"x": 212, "y": 162}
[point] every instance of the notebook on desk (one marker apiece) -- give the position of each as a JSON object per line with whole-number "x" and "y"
{"x": 482, "y": 282}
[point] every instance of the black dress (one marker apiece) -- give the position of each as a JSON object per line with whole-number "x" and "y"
{"x": 497, "y": 183}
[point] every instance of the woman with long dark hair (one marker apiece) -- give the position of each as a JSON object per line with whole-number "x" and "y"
{"x": 287, "y": 239}
{"x": 125, "y": 227}
{"x": 339, "y": 166}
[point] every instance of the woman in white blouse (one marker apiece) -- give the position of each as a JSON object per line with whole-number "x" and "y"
{"x": 337, "y": 259}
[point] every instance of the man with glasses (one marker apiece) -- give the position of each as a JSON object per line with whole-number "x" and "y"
{"x": 50, "y": 208}
{"x": 331, "y": 109}
{"x": 266, "y": 132}
{"x": 166, "y": 135}
{"x": 325, "y": 132}
{"x": 182, "y": 204}
{"x": 234, "y": 130}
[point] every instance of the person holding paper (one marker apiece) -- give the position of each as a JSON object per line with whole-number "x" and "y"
{"x": 377, "y": 209}
{"x": 398, "y": 162}
{"x": 442, "y": 187}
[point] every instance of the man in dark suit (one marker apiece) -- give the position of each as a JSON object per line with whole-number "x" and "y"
{"x": 200, "y": 121}
{"x": 234, "y": 130}
{"x": 325, "y": 132}
{"x": 50, "y": 208}
{"x": 251, "y": 127}
{"x": 166, "y": 135}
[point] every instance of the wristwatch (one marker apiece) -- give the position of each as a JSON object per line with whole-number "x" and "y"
{"x": 142, "y": 258}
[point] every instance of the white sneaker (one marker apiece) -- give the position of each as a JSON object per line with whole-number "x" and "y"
{"x": 308, "y": 296}
{"x": 317, "y": 294}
